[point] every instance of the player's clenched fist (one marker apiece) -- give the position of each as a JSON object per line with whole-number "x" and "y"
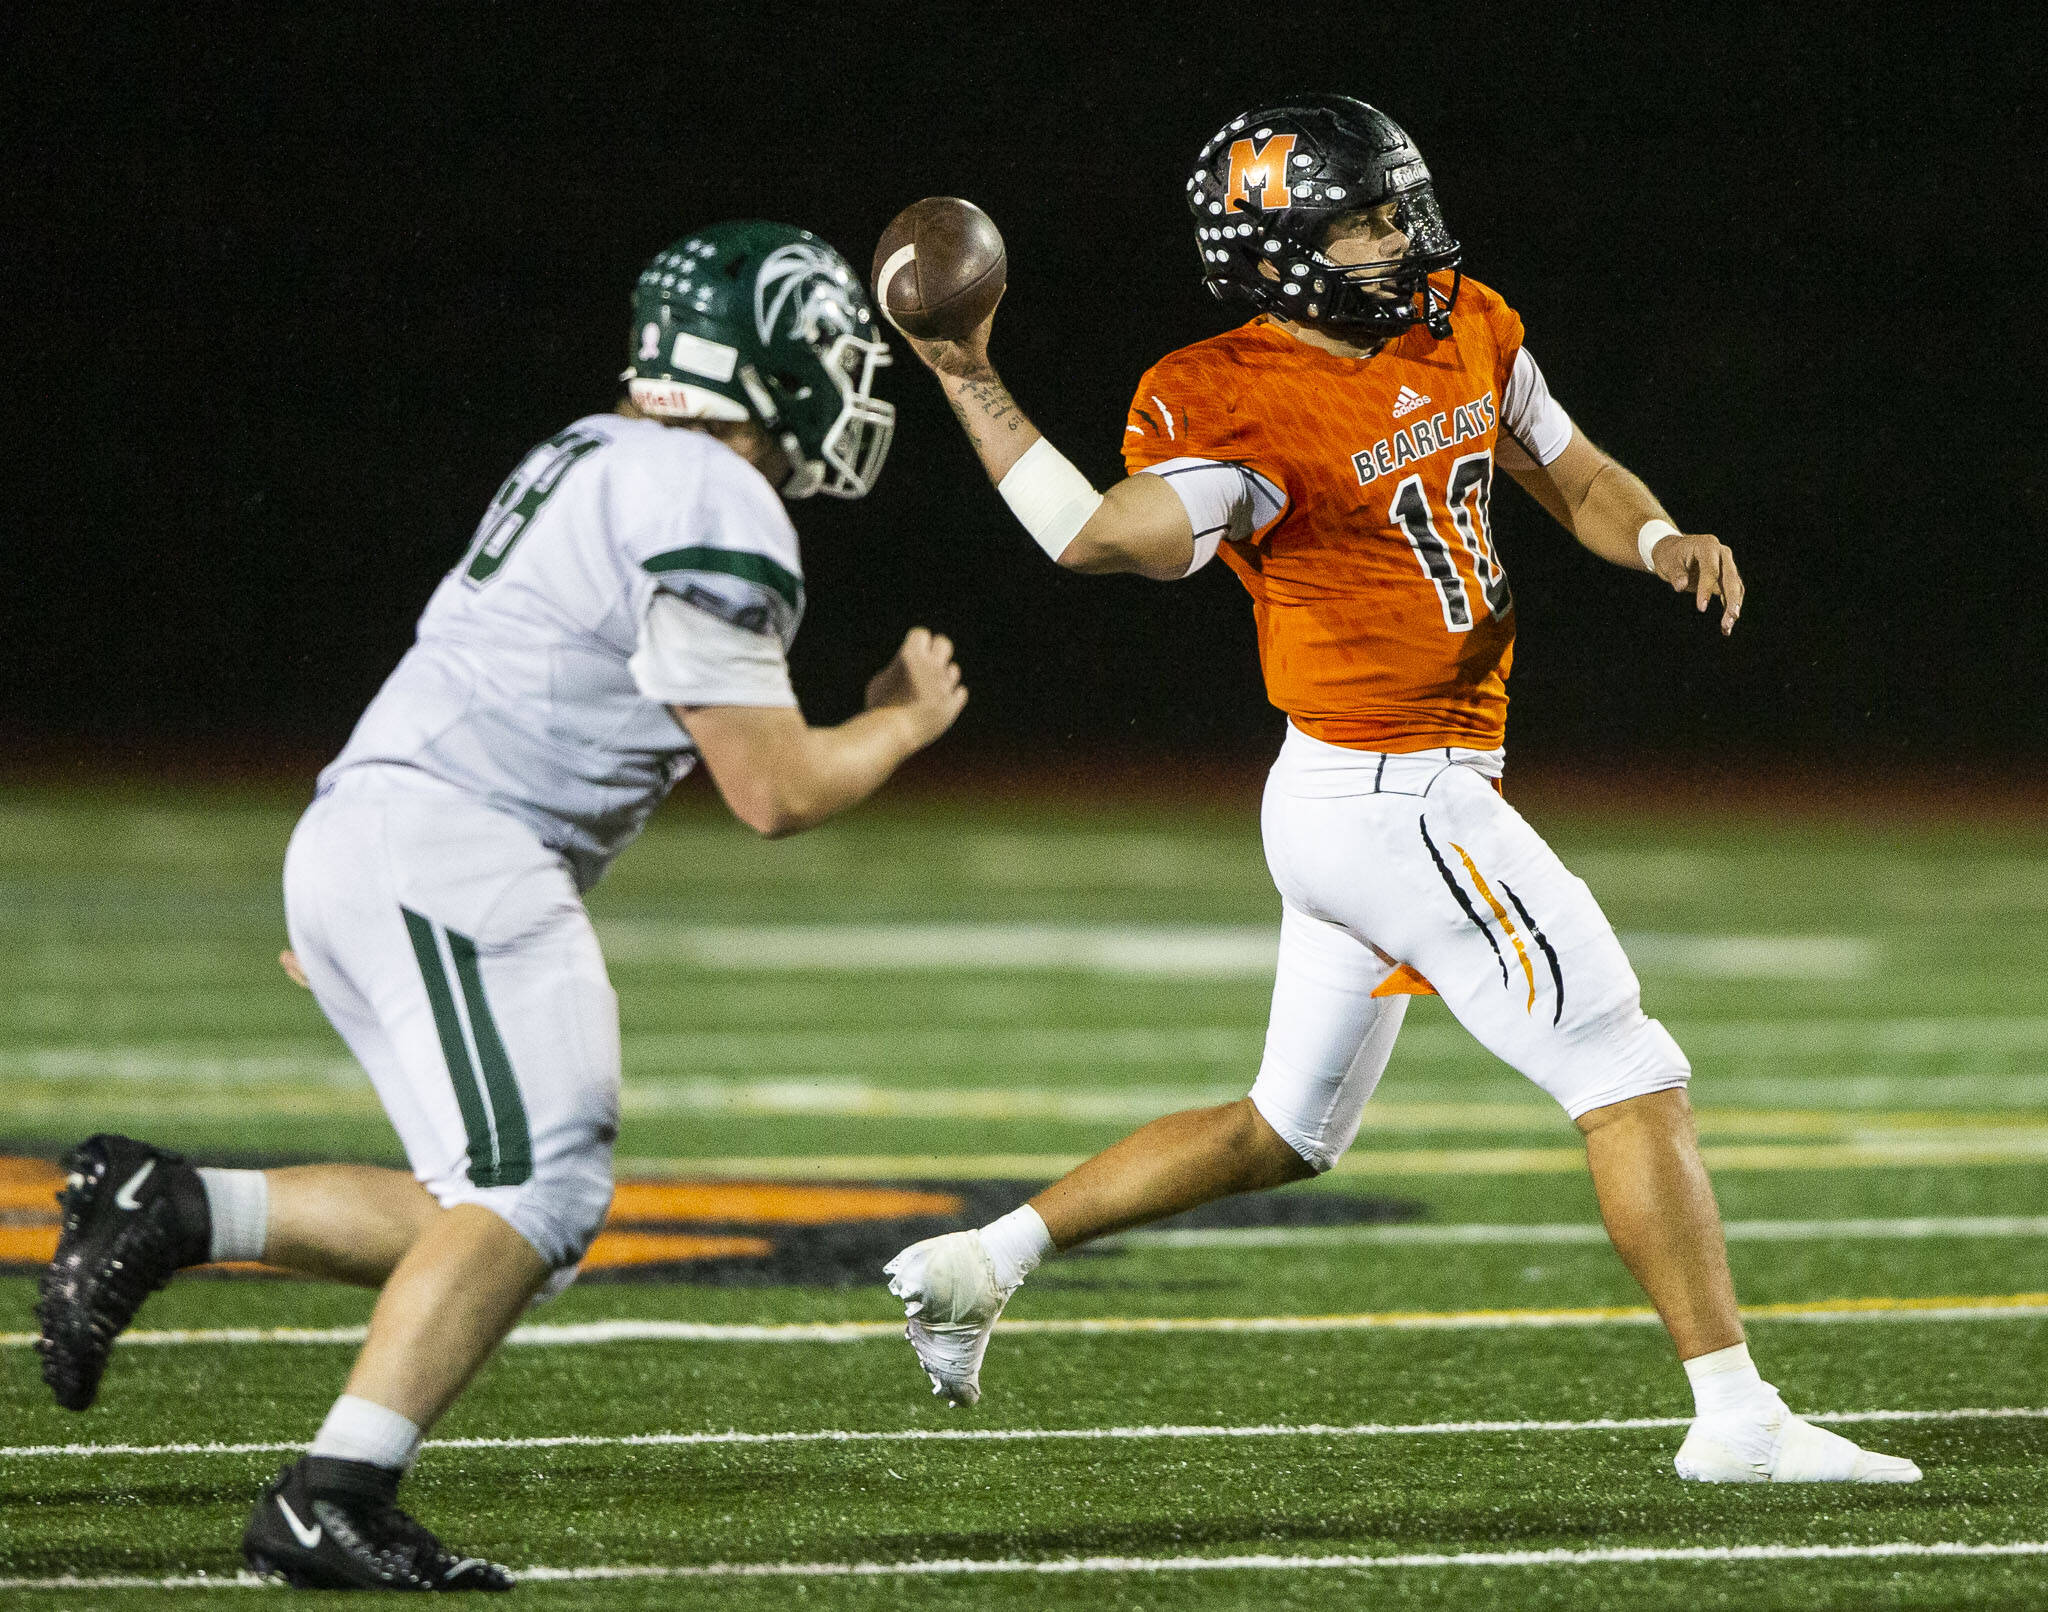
{"x": 1704, "y": 566}
{"x": 923, "y": 679}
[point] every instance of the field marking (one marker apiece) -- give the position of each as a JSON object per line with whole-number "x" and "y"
{"x": 1903, "y": 1150}
{"x": 715, "y": 1051}
{"x": 1027, "y": 1435}
{"x": 1879, "y": 1137}
{"x": 1154, "y": 951}
{"x": 2019, "y": 1145}
{"x": 1753, "y": 957}
{"x": 1983, "y": 1307}
{"x": 1066, "y": 1566}
{"x": 1736, "y": 1231}
{"x": 859, "y": 1098}
{"x": 1147, "y": 951}
{"x": 848, "y": 1097}
{"x": 1848, "y": 1140}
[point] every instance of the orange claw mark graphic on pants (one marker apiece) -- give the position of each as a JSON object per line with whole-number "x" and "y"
{"x": 1506, "y": 923}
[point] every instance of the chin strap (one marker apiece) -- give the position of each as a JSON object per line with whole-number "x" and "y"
{"x": 806, "y": 476}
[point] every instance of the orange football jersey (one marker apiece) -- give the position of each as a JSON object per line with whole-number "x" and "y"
{"x": 1384, "y": 617}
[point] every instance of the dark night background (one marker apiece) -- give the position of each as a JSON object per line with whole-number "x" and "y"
{"x": 289, "y": 297}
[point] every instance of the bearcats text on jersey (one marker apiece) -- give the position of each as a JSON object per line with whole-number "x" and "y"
{"x": 1423, "y": 438}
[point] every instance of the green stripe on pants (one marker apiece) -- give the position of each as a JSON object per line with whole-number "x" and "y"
{"x": 468, "y": 1093}
{"x": 515, "y": 1146}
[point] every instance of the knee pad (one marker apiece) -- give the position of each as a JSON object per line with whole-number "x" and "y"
{"x": 1317, "y": 1111}
{"x": 559, "y": 1209}
{"x": 562, "y": 1209}
{"x": 1624, "y": 1056}
{"x": 555, "y": 1286}
{"x": 1315, "y": 1114}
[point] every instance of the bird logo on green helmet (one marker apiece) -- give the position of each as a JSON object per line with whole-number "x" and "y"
{"x": 756, "y": 321}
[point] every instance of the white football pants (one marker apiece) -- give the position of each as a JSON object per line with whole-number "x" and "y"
{"x": 452, "y": 952}
{"x": 1390, "y": 860}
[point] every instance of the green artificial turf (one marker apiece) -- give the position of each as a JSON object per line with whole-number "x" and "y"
{"x": 138, "y": 990}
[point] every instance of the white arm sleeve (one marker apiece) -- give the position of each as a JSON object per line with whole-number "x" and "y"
{"x": 1222, "y": 501}
{"x": 1531, "y": 415}
{"x": 688, "y": 656}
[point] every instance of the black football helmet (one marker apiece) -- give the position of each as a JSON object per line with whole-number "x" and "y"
{"x": 1269, "y": 184}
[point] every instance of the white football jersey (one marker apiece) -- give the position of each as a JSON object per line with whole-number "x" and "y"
{"x": 518, "y": 690}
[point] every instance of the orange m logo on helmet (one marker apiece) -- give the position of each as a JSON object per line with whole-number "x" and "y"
{"x": 1263, "y": 166}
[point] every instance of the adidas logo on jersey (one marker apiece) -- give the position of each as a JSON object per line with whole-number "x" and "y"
{"x": 1408, "y": 402}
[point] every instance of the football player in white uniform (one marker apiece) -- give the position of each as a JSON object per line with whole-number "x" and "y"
{"x": 623, "y": 611}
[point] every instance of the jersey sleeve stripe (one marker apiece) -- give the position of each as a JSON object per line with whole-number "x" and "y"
{"x": 755, "y": 568}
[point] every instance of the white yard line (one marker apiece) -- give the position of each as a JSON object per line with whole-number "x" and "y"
{"x": 1158, "y": 951}
{"x": 1028, "y": 1435}
{"x": 1997, "y": 1307}
{"x": 1070, "y": 1566}
{"x": 223, "y": 1087}
{"x": 1860, "y": 1149}
{"x": 1736, "y": 1231}
{"x": 1853, "y": 1037}
{"x": 730, "y": 1053}
{"x": 1115, "y": 1099}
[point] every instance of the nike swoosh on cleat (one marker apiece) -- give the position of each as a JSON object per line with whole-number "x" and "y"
{"x": 463, "y": 1566}
{"x": 309, "y": 1537}
{"x": 125, "y": 1198}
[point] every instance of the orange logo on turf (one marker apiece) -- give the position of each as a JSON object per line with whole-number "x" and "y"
{"x": 1261, "y": 166}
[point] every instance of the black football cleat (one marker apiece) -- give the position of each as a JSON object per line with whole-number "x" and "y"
{"x": 324, "y": 1524}
{"x": 133, "y": 1215}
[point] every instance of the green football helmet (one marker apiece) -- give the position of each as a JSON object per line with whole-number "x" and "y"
{"x": 754, "y": 321}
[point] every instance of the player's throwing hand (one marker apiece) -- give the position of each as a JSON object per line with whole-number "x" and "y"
{"x": 924, "y": 679}
{"x": 1704, "y": 566}
{"x": 963, "y": 357}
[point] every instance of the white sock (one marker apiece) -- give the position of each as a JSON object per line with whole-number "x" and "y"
{"x": 239, "y": 1202}
{"x": 362, "y": 1430}
{"x": 1726, "y": 1383}
{"x": 1016, "y": 1243}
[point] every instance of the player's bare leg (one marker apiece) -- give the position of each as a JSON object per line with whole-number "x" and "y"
{"x": 1179, "y": 1162}
{"x": 348, "y": 1223}
{"x": 449, "y": 1303}
{"x": 331, "y": 1519}
{"x": 1655, "y": 1198}
{"x": 1659, "y": 1208}
{"x": 1660, "y": 1213}
{"x": 137, "y": 1214}
{"x": 453, "y": 1280}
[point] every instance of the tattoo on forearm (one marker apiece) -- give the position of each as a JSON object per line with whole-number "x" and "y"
{"x": 983, "y": 403}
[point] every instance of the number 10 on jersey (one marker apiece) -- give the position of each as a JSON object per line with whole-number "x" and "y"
{"x": 1469, "y": 495}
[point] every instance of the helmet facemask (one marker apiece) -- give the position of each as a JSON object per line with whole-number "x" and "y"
{"x": 1385, "y": 298}
{"x": 849, "y": 456}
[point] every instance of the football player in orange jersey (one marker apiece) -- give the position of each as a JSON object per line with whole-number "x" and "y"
{"x": 1338, "y": 451}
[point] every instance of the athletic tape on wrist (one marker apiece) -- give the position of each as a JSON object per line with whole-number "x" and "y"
{"x": 1049, "y": 496}
{"x": 1653, "y": 532}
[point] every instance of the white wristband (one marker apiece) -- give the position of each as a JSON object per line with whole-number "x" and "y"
{"x": 1653, "y": 533}
{"x": 1049, "y": 496}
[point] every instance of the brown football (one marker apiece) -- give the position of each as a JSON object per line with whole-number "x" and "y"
{"x": 939, "y": 268}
